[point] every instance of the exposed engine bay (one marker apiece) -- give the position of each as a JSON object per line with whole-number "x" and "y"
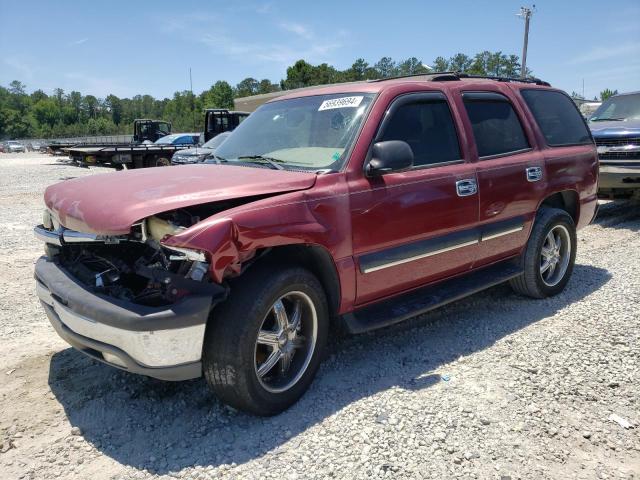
{"x": 136, "y": 267}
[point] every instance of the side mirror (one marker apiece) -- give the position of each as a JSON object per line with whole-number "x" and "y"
{"x": 389, "y": 156}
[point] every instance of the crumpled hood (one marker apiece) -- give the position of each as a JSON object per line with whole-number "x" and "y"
{"x": 615, "y": 128}
{"x": 110, "y": 203}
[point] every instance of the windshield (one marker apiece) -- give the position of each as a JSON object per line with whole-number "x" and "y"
{"x": 622, "y": 107}
{"x": 308, "y": 132}
{"x": 216, "y": 141}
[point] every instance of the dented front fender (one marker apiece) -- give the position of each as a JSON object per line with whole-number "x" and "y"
{"x": 319, "y": 216}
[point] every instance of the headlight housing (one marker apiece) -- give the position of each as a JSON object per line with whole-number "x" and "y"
{"x": 156, "y": 229}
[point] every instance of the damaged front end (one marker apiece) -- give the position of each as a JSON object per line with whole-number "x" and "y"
{"x": 134, "y": 267}
{"x": 128, "y": 300}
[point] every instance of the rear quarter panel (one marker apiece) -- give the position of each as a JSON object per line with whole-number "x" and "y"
{"x": 568, "y": 168}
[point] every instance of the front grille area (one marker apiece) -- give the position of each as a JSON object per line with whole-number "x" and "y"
{"x": 617, "y": 142}
{"x": 619, "y": 156}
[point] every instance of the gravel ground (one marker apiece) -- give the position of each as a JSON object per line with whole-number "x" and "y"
{"x": 494, "y": 386}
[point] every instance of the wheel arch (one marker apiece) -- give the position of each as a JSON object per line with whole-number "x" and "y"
{"x": 567, "y": 200}
{"x": 317, "y": 260}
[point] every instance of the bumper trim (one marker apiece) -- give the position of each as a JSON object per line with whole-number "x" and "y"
{"x": 47, "y": 236}
{"x": 95, "y": 350}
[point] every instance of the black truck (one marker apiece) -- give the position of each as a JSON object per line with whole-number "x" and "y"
{"x": 145, "y": 155}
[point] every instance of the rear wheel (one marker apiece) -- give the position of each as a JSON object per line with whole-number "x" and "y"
{"x": 264, "y": 344}
{"x": 550, "y": 255}
{"x": 162, "y": 162}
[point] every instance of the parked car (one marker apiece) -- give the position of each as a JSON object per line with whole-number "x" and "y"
{"x": 179, "y": 139}
{"x": 199, "y": 154}
{"x": 13, "y": 146}
{"x": 356, "y": 205}
{"x": 615, "y": 126}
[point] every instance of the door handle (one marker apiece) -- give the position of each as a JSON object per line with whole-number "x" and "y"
{"x": 466, "y": 187}
{"x": 534, "y": 174}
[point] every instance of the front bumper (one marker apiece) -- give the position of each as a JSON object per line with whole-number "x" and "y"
{"x": 161, "y": 342}
{"x": 619, "y": 177}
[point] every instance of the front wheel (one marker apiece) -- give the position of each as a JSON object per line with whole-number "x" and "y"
{"x": 549, "y": 256}
{"x": 264, "y": 345}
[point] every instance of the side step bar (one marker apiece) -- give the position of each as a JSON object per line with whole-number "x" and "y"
{"x": 422, "y": 300}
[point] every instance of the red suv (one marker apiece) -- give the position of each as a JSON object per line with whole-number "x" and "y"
{"x": 357, "y": 205}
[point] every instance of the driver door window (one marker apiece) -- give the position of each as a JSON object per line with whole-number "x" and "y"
{"x": 429, "y": 130}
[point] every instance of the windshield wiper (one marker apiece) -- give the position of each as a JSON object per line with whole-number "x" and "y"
{"x": 261, "y": 158}
{"x": 218, "y": 159}
{"x": 603, "y": 119}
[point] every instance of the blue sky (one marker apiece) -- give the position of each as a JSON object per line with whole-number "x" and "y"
{"x": 131, "y": 47}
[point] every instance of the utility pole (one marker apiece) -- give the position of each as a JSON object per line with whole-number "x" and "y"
{"x": 193, "y": 101}
{"x": 525, "y": 12}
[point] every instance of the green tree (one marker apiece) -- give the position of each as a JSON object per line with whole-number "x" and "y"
{"x": 299, "y": 75}
{"x": 411, "y": 66}
{"x": 90, "y": 106}
{"x": 220, "y": 95}
{"x": 266, "y": 86}
{"x": 114, "y": 106}
{"x": 247, "y": 87}
{"x": 460, "y": 63}
{"x": 359, "y": 71}
{"x": 440, "y": 64}
{"x": 386, "y": 67}
{"x": 606, "y": 93}
{"x": 38, "y": 95}
{"x": 47, "y": 112}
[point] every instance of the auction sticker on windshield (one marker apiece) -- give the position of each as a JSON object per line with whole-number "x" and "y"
{"x": 342, "y": 102}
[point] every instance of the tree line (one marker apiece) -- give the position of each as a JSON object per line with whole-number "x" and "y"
{"x": 62, "y": 114}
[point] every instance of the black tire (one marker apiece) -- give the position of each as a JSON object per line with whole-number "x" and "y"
{"x": 531, "y": 283}
{"x": 230, "y": 352}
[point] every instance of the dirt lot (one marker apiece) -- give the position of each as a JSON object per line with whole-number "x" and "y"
{"x": 495, "y": 386}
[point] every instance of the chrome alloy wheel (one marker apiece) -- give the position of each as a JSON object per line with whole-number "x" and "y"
{"x": 286, "y": 342}
{"x": 555, "y": 255}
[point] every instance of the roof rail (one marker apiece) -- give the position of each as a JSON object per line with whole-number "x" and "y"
{"x": 498, "y": 78}
{"x": 452, "y": 76}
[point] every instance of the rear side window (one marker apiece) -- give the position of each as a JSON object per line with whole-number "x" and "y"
{"x": 557, "y": 117}
{"x": 428, "y": 129}
{"x": 496, "y": 127}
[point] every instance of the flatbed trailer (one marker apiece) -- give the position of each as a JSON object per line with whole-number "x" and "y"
{"x": 58, "y": 148}
{"x": 125, "y": 156}
{"x": 144, "y": 130}
{"x": 216, "y": 121}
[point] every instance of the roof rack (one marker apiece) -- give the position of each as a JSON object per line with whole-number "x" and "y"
{"x": 452, "y": 76}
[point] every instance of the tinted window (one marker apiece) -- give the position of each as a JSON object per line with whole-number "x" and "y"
{"x": 496, "y": 127}
{"x": 557, "y": 117}
{"x": 428, "y": 129}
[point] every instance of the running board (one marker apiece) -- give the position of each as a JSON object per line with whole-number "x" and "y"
{"x": 422, "y": 300}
